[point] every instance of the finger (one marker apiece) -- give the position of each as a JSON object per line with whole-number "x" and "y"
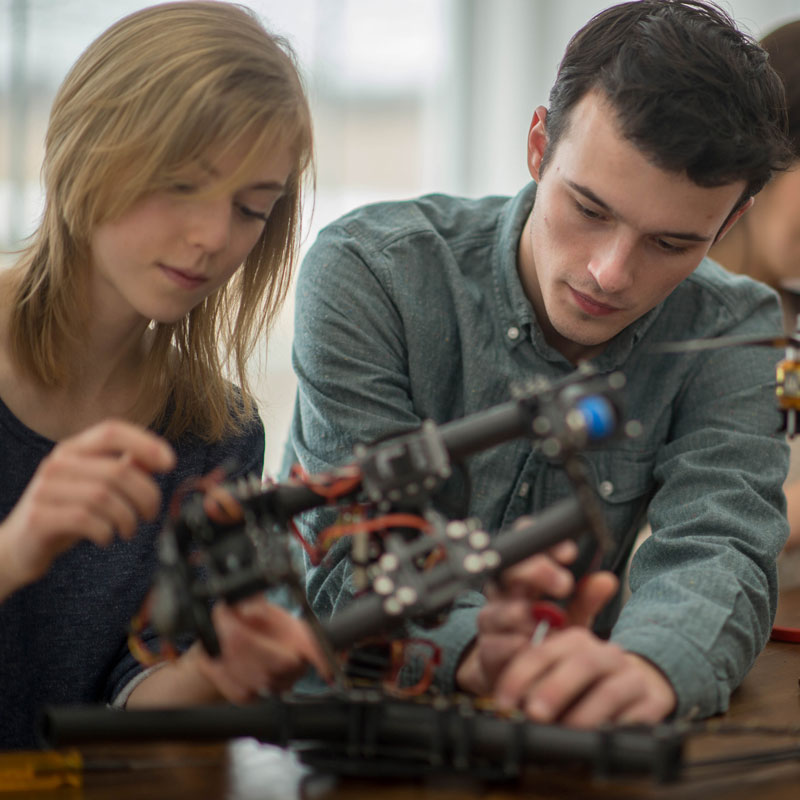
{"x": 574, "y": 673}
{"x": 63, "y": 469}
{"x": 564, "y": 552}
{"x": 60, "y": 525}
{"x": 592, "y": 594}
{"x": 125, "y": 478}
{"x": 521, "y": 673}
{"x": 113, "y": 487}
{"x": 137, "y": 488}
{"x": 495, "y": 651}
{"x": 280, "y": 624}
{"x": 647, "y": 711}
{"x": 526, "y": 673}
{"x": 535, "y": 576}
{"x": 506, "y": 616}
{"x": 116, "y": 436}
{"x": 97, "y": 500}
{"x": 608, "y": 700}
{"x": 258, "y": 657}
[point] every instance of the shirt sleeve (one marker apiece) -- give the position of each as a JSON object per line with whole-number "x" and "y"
{"x": 704, "y": 584}
{"x": 350, "y": 357}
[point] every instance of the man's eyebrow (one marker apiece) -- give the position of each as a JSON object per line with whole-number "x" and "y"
{"x": 686, "y": 236}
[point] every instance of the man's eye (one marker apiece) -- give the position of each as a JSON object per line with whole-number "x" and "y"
{"x": 588, "y": 212}
{"x": 668, "y": 247}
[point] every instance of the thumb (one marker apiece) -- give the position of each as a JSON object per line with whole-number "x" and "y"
{"x": 591, "y": 594}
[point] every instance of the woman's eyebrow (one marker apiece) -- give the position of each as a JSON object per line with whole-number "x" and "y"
{"x": 265, "y": 186}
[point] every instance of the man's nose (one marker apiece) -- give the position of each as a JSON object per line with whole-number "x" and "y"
{"x": 612, "y": 265}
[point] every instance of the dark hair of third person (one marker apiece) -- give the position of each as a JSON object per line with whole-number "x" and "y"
{"x": 783, "y": 46}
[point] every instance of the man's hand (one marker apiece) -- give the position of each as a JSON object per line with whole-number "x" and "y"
{"x": 505, "y": 625}
{"x": 94, "y": 485}
{"x": 572, "y": 677}
{"x": 577, "y": 679}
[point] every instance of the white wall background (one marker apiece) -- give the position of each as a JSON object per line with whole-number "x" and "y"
{"x": 409, "y": 96}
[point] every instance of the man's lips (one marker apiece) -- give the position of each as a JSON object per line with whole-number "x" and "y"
{"x": 591, "y": 306}
{"x": 184, "y": 278}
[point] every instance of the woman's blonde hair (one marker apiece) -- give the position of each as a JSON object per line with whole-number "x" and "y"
{"x": 147, "y": 99}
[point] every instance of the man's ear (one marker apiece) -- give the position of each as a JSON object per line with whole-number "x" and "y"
{"x": 729, "y": 223}
{"x": 537, "y": 142}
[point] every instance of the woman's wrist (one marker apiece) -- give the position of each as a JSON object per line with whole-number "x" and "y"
{"x": 180, "y": 683}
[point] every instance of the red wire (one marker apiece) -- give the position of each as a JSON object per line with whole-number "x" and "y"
{"x": 782, "y": 633}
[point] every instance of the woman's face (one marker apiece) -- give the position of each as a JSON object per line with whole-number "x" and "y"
{"x": 774, "y": 226}
{"x": 175, "y": 247}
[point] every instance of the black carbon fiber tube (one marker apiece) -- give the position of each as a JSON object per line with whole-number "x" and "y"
{"x": 461, "y": 438}
{"x": 364, "y": 725}
{"x": 367, "y": 615}
{"x": 485, "y": 429}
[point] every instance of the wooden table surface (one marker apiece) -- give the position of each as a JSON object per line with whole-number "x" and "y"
{"x": 244, "y": 769}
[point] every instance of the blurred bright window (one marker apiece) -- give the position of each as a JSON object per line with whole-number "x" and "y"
{"x": 408, "y": 96}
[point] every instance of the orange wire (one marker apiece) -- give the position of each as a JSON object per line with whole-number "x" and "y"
{"x": 399, "y": 658}
{"x": 222, "y": 506}
{"x": 198, "y": 483}
{"x": 328, "y": 485}
{"x": 335, "y": 532}
{"x": 379, "y": 524}
{"x": 139, "y": 650}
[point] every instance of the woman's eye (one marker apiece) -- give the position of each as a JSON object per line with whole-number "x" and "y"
{"x": 183, "y": 188}
{"x": 252, "y": 213}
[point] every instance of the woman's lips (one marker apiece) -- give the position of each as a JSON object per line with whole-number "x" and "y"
{"x": 590, "y": 306}
{"x": 185, "y": 280}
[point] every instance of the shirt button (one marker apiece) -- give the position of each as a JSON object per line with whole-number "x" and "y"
{"x": 606, "y": 488}
{"x": 513, "y": 333}
{"x": 524, "y": 489}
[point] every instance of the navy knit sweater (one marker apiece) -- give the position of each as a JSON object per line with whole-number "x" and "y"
{"x": 63, "y": 638}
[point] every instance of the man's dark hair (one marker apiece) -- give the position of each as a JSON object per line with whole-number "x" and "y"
{"x": 693, "y": 93}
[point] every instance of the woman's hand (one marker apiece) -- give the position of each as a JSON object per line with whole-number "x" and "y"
{"x": 263, "y": 648}
{"x": 94, "y": 485}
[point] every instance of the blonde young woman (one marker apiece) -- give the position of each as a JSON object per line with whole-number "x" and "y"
{"x": 174, "y": 160}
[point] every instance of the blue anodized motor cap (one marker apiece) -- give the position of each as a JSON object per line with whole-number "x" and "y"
{"x": 599, "y": 415}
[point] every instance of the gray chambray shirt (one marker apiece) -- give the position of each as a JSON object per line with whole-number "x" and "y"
{"x": 414, "y": 310}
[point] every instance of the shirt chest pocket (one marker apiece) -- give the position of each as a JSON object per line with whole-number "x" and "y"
{"x": 623, "y": 480}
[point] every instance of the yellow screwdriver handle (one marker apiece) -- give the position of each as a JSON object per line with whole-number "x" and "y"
{"x": 36, "y": 770}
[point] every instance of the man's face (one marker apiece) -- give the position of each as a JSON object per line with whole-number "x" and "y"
{"x": 610, "y": 235}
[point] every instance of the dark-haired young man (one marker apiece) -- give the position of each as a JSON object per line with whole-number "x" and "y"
{"x": 663, "y": 122}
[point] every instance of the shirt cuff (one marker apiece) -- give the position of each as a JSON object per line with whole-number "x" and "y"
{"x": 697, "y": 690}
{"x": 122, "y": 696}
{"x": 452, "y": 638}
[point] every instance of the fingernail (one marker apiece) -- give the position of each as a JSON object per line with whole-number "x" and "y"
{"x": 564, "y": 582}
{"x": 539, "y": 710}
